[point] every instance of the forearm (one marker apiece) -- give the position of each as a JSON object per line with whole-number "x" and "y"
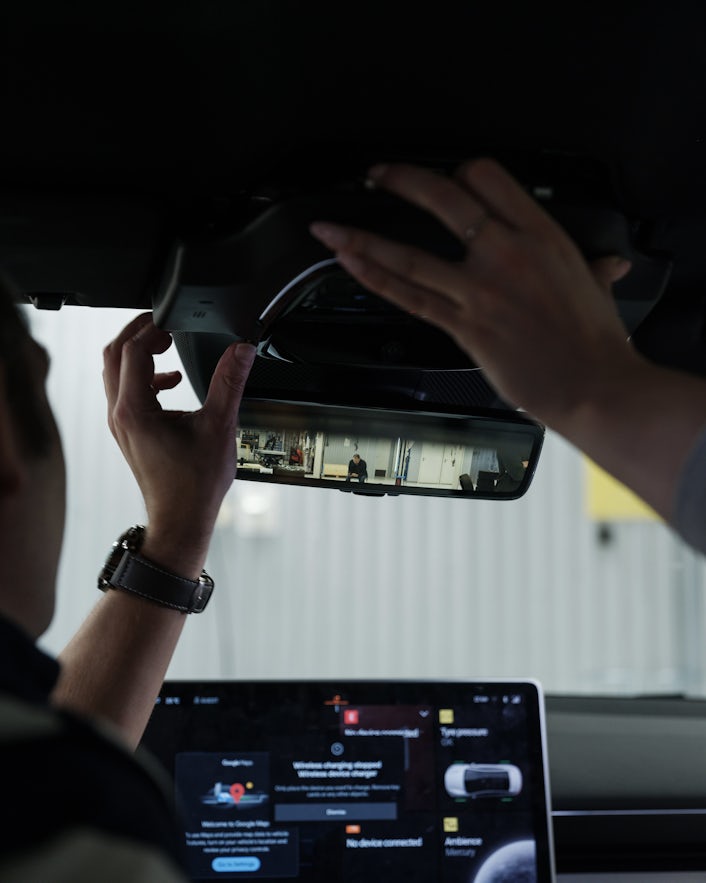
{"x": 114, "y": 666}
{"x": 640, "y": 426}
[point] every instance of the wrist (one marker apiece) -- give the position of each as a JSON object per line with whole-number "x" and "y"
{"x": 129, "y": 569}
{"x": 640, "y": 425}
{"x": 607, "y": 393}
{"x": 165, "y": 551}
{"x": 179, "y": 548}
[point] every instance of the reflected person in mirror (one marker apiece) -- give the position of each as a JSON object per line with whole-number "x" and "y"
{"x": 357, "y": 469}
{"x": 543, "y": 324}
{"x": 68, "y": 726}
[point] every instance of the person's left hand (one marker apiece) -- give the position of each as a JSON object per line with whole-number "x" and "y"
{"x": 522, "y": 302}
{"x": 184, "y": 462}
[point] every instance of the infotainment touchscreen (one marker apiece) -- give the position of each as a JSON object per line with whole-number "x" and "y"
{"x": 358, "y": 781}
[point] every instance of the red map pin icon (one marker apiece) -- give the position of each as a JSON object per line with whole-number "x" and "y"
{"x": 236, "y": 792}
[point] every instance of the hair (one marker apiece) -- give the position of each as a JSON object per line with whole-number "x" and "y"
{"x": 30, "y": 418}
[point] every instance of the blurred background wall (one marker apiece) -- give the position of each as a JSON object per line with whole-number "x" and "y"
{"x": 317, "y": 583}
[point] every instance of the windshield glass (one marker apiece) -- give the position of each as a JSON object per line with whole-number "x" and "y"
{"x": 577, "y": 584}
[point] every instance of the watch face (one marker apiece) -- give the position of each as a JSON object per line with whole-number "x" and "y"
{"x": 130, "y": 541}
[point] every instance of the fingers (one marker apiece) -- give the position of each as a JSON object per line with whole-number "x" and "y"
{"x": 228, "y": 383}
{"x": 454, "y": 205}
{"x": 432, "y": 306}
{"x": 136, "y": 379}
{"x": 166, "y": 380}
{"x": 480, "y": 188}
{"x": 482, "y": 205}
{"x": 609, "y": 270}
{"x": 128, "y": 374}
{"x": 112, "y": 354}
{"x": 403, "y": 261}
{"x": 131, "y": 383}
{"x": 502, "y": 195}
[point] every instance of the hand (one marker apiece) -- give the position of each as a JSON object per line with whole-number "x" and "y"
{"x": 183, "y": 462}
{"x": 523, "y": 303}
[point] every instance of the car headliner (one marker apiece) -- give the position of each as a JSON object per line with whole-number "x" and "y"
{"x": 125, "y": 123}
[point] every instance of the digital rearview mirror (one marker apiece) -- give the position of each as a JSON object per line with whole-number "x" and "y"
{"x": 377, "y": 451}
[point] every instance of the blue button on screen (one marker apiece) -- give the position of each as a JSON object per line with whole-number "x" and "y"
{"x": 238, "y": 864}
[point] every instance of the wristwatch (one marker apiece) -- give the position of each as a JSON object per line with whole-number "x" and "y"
{"x": 125, "y": 569}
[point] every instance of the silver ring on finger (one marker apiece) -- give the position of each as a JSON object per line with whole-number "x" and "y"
{"x": 472, "y": 231}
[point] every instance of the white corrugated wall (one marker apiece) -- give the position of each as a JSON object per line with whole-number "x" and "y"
{"x": 317, "y": 583}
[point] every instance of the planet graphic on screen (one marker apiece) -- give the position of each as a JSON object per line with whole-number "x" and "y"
{"x": 512, "y": 863}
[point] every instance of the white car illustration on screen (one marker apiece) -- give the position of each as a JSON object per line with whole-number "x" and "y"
{"x": 483, "y": 780}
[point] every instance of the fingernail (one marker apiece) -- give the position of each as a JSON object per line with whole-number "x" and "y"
{"x": 329, "y": 234}
{"x": 244, "y": 354}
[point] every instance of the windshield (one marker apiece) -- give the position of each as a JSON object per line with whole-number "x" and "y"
{"x": 577, "y": 584}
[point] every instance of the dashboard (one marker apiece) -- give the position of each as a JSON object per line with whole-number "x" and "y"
{"x": 627, "y": 780}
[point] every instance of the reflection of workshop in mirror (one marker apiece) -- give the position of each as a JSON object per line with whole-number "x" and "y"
{"x": 293, "y": 456}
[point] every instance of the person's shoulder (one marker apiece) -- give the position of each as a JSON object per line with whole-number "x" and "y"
{"x": 104, "y": 804}
{"x": 31, "y": 726}
{"x": 86, "y": 856}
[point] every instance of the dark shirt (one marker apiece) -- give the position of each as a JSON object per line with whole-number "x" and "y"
{"x": 360, "y": 469}
{"x": 74, "y": 795}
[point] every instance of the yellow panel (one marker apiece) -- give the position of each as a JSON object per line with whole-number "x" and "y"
{"x": 609, "y": 500}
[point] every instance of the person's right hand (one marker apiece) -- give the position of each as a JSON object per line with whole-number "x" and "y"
{"x": 183, "y": 462}
{"x": 523, "y": 302}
